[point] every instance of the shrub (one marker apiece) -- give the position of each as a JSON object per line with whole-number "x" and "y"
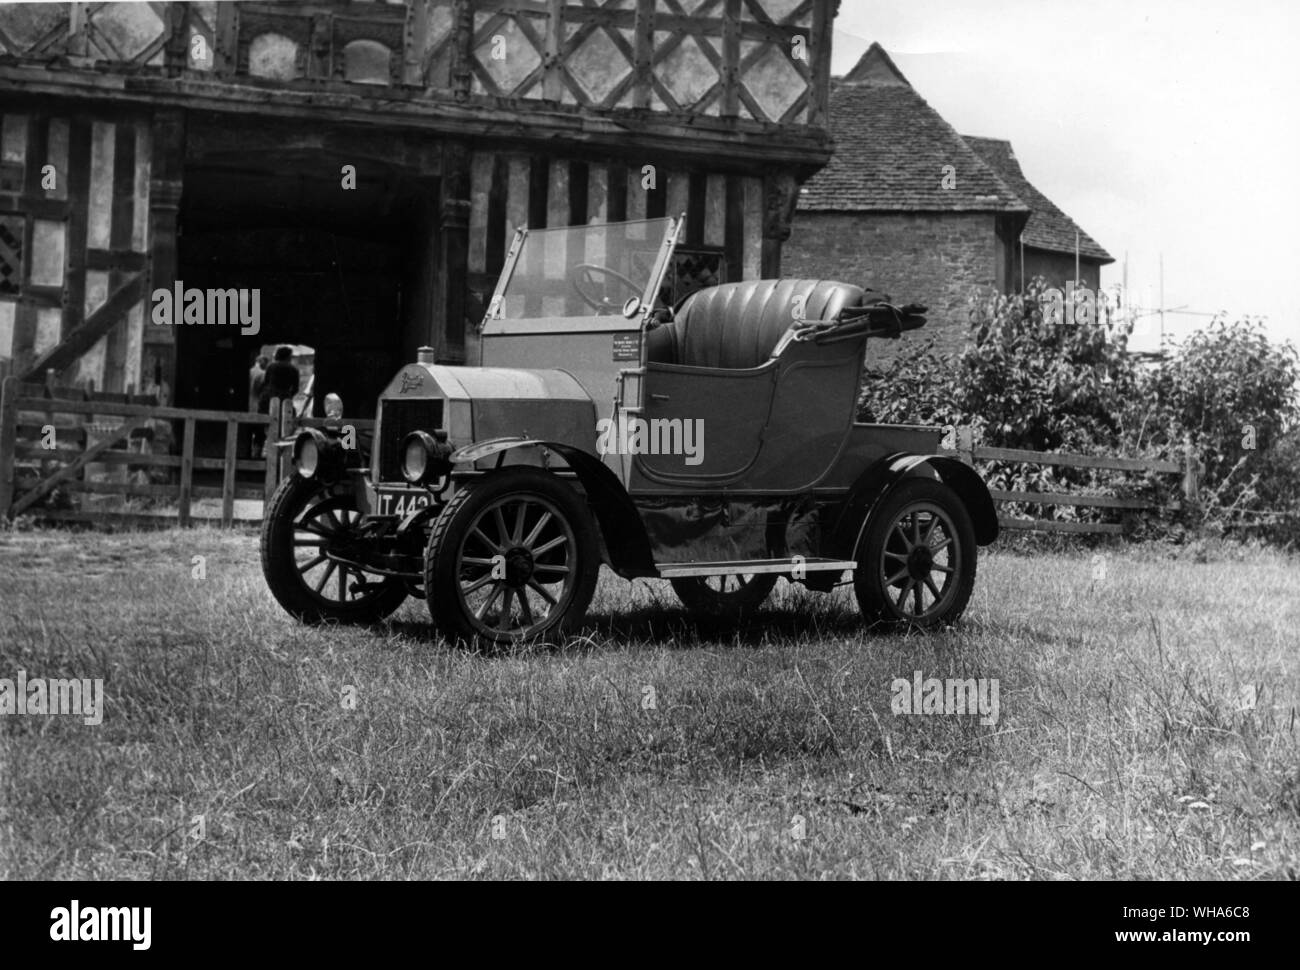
{"x": 1022, "y": 384}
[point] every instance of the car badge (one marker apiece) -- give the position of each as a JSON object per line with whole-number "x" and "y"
{"x": 411, "y": 382}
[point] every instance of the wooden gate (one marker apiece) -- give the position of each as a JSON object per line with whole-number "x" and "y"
{"x": 61, "y": 444}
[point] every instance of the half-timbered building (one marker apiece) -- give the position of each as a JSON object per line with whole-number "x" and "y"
{"x": 363, "y": 166}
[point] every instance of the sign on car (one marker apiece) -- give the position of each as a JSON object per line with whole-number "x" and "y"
{"x": 400, "y": 501}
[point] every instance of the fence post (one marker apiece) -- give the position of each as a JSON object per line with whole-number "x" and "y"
{"x": 1191, "y": 473}
{"x": 230, "y": 477}
{"x": 269, "y": 454}
{"x": 283, "y": 432}
{"x": 187, "y": 473}
{"x": 8, "y": 436}
{"x": 966, "y": 444}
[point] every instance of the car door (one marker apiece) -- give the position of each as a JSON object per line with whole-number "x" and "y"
{"x": 698, "y": 425}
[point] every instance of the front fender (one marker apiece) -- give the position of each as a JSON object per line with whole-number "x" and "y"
{"x": 882, "y": 477}
{"x": 479, "y": 450}
{"x": 625, "y": 540}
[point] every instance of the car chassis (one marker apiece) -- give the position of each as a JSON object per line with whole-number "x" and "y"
{"x": 712, "y": 444}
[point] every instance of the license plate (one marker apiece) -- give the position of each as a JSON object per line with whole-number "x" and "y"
{"x": 401, "y": 502}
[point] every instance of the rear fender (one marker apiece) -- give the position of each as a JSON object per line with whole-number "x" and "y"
{"x": 970, "y": 488}
{"x": 625, "y": 540}
{"x": 881, "y": 478}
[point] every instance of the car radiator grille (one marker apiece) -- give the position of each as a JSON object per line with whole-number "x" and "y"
{"x": 397, "y": 419}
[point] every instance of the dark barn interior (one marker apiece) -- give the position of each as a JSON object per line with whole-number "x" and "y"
{"x": 348, "y": 271}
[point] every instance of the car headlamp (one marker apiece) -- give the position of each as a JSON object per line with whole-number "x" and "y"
{"x": 318, "y": 456}
{"x": 425, "y": 457}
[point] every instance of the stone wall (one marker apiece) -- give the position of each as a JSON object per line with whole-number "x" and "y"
{"x": 937, "y": 259}
{"x": 1057, "y": 268}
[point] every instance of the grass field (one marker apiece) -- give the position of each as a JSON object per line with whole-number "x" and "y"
{"x": 1125, "y": 747}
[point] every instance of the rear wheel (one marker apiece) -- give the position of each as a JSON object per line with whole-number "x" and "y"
{"x": 304, "y": 523}
{"x": 916, "y": 561}
{"x": 512, "y": 557}
{"x": 728, "y": 599}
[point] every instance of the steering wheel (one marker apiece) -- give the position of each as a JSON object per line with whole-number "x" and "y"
{"x": 585, "y": 273}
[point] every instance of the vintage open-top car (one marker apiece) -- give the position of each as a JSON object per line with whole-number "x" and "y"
{"x": 712, "y": 444}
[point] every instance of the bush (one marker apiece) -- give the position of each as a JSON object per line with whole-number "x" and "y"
{"x": 1019, "y": 383}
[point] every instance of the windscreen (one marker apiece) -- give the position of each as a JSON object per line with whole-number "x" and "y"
{"x": 581, "y": 271}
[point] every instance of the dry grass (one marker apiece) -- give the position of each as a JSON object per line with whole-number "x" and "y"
{"x": 1122, "y": 750}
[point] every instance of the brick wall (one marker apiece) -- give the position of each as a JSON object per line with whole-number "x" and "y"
{"x": 933, "y": 258}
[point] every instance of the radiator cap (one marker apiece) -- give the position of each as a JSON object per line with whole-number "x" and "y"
{"x": 425, "y": 355}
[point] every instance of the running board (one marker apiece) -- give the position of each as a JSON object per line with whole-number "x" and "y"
{"x": 746, "y": 566}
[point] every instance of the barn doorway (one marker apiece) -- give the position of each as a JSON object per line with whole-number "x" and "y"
{"x": 348, "y": 272}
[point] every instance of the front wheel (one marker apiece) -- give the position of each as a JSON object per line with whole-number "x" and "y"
{"x": 512, "y": 557}
{"x": 305, "y": 527}
{"x": 916, "y": 560}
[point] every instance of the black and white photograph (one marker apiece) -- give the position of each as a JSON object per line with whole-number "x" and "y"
{"x": 651, "y": 440}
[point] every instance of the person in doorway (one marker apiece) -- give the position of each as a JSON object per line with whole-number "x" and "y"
{"x": 256, "y": 378}
{"x": 281, "y": 380}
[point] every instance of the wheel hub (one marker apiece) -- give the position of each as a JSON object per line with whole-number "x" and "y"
{"x": 519, "y": 566}
{"x": 919, "y": 562}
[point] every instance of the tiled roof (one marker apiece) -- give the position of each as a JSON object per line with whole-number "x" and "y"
{"x": 891, "y": 149}
{"x": 1048, "y": 228}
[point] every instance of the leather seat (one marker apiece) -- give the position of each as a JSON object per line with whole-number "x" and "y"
{"x": 738, "y": 325}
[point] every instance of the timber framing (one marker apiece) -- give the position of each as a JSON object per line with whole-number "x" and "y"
{"x": 459, "y": 121}
{"x": 743, "y": 143}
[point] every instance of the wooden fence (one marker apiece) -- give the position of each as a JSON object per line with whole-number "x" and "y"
{"x": 96, "y": 434}
{"x": 76, "y": 441}
{"x": 974, "y": 454}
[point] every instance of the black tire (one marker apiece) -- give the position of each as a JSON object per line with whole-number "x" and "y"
{"x": 918, "y": 545}
{"x": 542, "y": 583}
{"x": 302, "y": 520}
{"x": 725, "y": 599}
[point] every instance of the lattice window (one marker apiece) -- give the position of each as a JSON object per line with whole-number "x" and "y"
{"x": 694, "y": 269}
{"x": 11, "y": 253}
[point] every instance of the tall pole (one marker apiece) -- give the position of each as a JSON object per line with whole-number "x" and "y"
{"x": 1162, "y": 309}
{"x": 1125, "y": 302}
{"x": 1125, "y": 284}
